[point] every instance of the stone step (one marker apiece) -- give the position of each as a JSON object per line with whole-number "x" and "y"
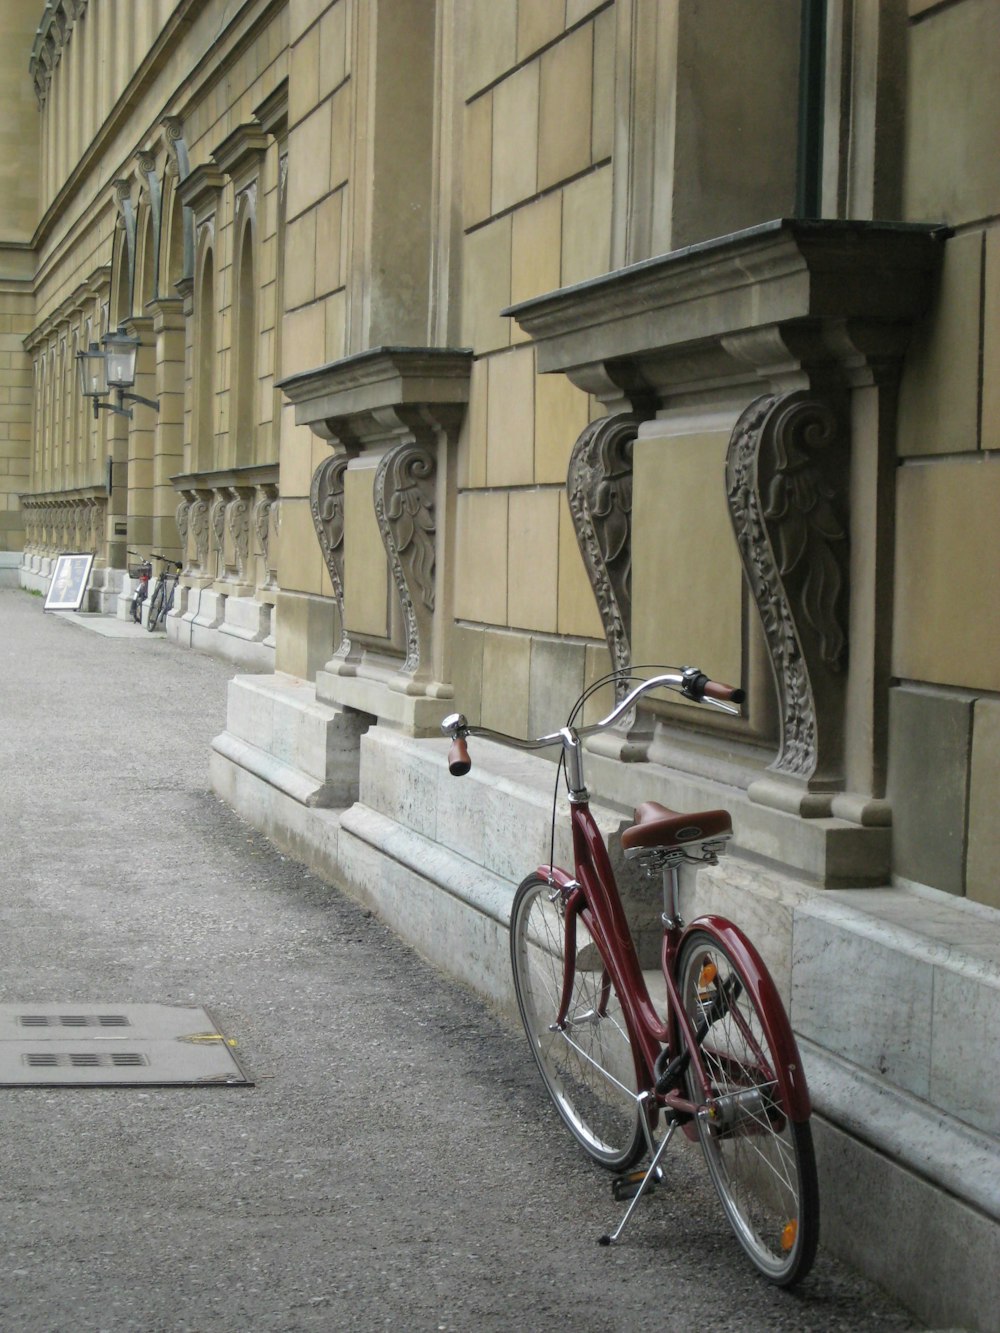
{"x": 277, "y": 731}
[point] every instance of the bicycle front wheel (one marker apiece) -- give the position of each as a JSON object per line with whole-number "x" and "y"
{"x": 761, "y": 1162}
{"x": 155, "y": 608}
{"x": 588, "y": 1065}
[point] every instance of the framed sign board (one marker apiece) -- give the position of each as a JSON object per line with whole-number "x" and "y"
{"x": 69, "y": 582}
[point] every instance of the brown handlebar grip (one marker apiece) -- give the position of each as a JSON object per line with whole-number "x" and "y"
{"x": 459, "y": 762}
{"x": 730, "y": 694}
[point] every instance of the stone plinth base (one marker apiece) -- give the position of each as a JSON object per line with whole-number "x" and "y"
{"x": 10, "y": 565}
{"x": 237, "y": 629}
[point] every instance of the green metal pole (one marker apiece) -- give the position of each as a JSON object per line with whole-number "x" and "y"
{"x": 812, "y": 61}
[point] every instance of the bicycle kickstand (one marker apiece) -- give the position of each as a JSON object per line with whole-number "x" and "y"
{"x": 645, "y": 1180}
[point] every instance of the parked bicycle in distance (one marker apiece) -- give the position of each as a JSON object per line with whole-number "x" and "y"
{"x": 162, "y": 599}
{"x": 719, "y": 1062}
{"x": 142, "y": 571}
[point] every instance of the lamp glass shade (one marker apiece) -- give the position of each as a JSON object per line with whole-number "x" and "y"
{"x": 119, "y": 352}
{"x": 92, "y": 366}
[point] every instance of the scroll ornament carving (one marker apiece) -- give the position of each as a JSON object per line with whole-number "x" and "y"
{"x": 218, "y": 520}
{"x": 404, "y": 508}
{"x": 183, "y": 515}
{"x": 239, "y": 527}
{"x": 781, "y": 475}
{"x": 599, "y": 487}
{"x": 147, "y": 163}
{"x": 262, "y": 527}
{"x": 97, "y": 527}
{"x": 326, "y": 504}
{"x": 199, "y": 530}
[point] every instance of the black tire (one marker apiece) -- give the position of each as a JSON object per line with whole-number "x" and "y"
{"x": 761, "y": 1163}
{"x": 155, "y": 608}
{"x": 137, "y": 602}
{"x": 588, "y": 1067}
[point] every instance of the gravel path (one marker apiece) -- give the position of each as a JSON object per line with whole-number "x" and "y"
{"x": 396, "y": 1165}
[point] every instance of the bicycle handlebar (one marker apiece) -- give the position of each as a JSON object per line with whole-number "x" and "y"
{"x": 459, "y": 762}
{"x": 688, "y": 681}
{"x": 155, "y": 555}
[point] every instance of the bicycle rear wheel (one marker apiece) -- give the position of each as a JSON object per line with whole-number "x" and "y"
{"x": 761, "y": 1162}
{"x": 588, "y": 1066}
{"x": 155, "y": 608}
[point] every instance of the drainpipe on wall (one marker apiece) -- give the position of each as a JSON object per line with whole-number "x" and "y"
{"x": 812, "y": 62}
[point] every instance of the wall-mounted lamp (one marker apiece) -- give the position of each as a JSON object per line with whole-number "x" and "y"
{"x": 111, "y": 365}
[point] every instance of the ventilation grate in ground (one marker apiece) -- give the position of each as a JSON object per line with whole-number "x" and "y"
{"x": 149, "y": 1045}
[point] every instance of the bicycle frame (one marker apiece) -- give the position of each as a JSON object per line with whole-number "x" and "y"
{"x": 593, "y": 896}
{"x": 166, "y": 582}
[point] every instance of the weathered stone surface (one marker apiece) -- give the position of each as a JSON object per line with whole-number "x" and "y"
{"x": 931, "y": 735}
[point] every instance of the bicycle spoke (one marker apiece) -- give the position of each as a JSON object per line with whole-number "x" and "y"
{"x": 586, "y": 1062}
{"x": 760, "y": 1161}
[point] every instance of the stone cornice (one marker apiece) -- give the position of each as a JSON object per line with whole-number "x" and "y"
{"x": 199, "y": 190}
{"x": 42, "y": 498}
{"x": 240, "y": 153}
{"x": 272, "y": 113}
{"x": 96, "y": 287}
{"x": 787, "y": 298}
{"x": 52, "y": 35}
{"x": 258, "y": 474}
{"x": 355, "y": 399}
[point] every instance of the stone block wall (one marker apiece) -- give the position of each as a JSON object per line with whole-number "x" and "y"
{"x": 537, "y": 136}
{"x": 16, "y": 318}
{"x": 19, "y": 186}
{"x": 944, "y": 785}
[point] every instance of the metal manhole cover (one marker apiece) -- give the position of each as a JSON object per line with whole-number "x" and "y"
{"x": 149, "y": 1045}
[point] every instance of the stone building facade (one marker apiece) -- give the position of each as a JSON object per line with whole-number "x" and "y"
{"x": 500, "y": 342}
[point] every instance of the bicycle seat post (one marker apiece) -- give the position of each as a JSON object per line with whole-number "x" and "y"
{"x": 672, "y": 919}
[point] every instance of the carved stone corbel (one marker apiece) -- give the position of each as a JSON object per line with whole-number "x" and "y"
{"x": 218, "y": 521}
{"x": 238, "y": 520}
{"x": 786, "y": 479}
{"x": 183, "y": 517}
{"x": 262, "y": 527}
{"x": 176, "y": 146}
{"x": 404, "y": 508}
{"x": 326, "y": 504}
{"x": 199, "y": 531}
{"x": 599, "y": 486}
{"x": 96, "y": 524}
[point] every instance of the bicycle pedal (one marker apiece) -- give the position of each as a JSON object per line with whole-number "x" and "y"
{"x": 627, "y": 1186}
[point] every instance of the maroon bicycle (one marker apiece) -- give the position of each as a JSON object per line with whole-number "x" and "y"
{"x": 720, "y": 1062}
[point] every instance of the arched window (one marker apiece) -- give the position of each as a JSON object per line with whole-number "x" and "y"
{"x": 42, "y": 438}
{"x": 244, "y": 418}
{"x": 203, "y": 433}
{"x": 145, "y": 286}
{"x": 121, "y": 293}
{"x": 173, "y": 267}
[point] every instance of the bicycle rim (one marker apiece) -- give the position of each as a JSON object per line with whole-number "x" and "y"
{"x": 761, "y": 1163}
{"x": 155, "y": 610}
{"x": 588, "y": 1067}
